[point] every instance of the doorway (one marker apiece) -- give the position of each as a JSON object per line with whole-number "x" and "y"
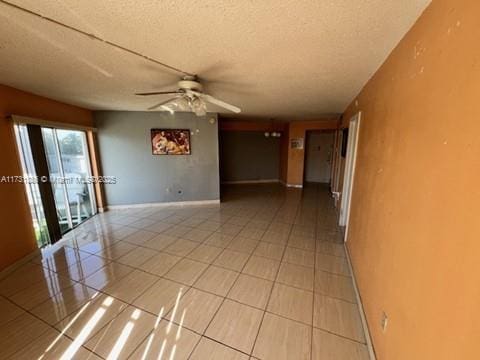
{"x": 249, "y": 157}
{"x": 57, "y": 172}
{"x": 318, "y": 156}
{"x": 351, "y": 156}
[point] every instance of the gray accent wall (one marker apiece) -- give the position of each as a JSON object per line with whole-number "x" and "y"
{"x": 125, "y": 153}
{"x": 248, "y": 156}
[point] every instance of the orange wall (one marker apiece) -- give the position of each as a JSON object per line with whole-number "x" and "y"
{"x": 16, "y": 236}
{"x": 296, "y": 157}
{"x": 414, "y": 237}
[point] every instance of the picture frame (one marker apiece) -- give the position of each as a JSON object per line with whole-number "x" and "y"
{"x": 170, "y": 142}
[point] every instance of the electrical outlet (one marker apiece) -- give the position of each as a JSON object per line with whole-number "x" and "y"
{"x": 384, "y": 321}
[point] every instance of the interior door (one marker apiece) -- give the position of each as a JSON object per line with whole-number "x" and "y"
{"x": 318, "y": 164}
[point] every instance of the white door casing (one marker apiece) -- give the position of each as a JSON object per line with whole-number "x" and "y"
{"x": 352, "y": 144}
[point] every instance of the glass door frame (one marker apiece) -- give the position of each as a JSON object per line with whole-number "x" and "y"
{"x": 44, "y": 233}
{"x": 34, "y": 144}
{"x": 58, "y": 155}
{"x": 91, "y": 187}
{"x": 89, "y": 184}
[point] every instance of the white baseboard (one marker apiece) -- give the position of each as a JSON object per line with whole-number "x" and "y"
{"x": 295, "y": 186}
{"x": 164, "y": 204}
{"x": 264, "y": 181}
{"x": 370, "y": 348}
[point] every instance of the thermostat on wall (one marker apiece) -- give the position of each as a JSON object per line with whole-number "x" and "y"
{"x": 296, "y": 144}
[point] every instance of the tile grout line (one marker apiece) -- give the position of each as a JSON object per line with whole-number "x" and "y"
{"x": 314, "y": 272}
{"x": 73, "y": 311}
{"x": 252, "y": 253}
{"x": 221, "y": 304}
{"x": 60, "y": 333}
{"x": 273, "y": 285}
{"x": 164, "y": 317}
{"x": 223, "y": 299}
{"x": 275, "y": 281}
{"x": 233, "y": 285}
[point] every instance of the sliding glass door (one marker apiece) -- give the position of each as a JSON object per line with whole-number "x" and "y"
{"x": 69, "y": 168}
{"x": 32, "y": 188}
{"x": 57, "y": 174}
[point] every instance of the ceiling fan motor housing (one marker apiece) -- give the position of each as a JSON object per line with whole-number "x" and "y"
{"x": 190, "y": 83}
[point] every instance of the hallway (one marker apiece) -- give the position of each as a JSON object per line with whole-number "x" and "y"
{"x": 262, "y": 276}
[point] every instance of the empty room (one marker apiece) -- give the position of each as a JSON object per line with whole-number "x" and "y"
{"x": 240, "y": 180}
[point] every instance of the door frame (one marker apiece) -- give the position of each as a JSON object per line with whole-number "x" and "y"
{"x": 36, "y": 149}
{"x": 349, "y": 174}
{"x": 91, "y": 190}
{"x": 39, "y": 158}
{"x": 337, "y": 160}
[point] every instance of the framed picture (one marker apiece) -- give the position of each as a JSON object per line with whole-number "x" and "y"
{"x": 170, "y": 142}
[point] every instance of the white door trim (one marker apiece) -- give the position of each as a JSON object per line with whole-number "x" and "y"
{"x": 338, "y": 160}
{"x": 353, "y": 132}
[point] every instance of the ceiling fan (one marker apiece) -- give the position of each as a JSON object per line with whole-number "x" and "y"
{"x": 189, "y": 97}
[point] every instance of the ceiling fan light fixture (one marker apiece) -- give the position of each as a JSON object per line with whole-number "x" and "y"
{"x": 198, "y": 107}
{"x": 200, "y": 112}
{"x": 182, "y": 104}
{"x": 190, "y": 97}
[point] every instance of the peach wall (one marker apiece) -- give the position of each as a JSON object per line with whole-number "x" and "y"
{"x": 296, "y": 157}
{"x": 414, "y": 235}
{"x": 17, "y": 238}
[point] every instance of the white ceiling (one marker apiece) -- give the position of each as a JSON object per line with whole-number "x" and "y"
{"x": 285, "y": 59}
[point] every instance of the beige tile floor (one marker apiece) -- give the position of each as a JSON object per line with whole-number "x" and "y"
{"x": 261, "y": 276}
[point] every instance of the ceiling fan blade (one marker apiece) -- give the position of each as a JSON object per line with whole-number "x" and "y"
{"x": 161, "y": 104}
{"x": 217, "y": 102}
{"x": 158, "y": 93}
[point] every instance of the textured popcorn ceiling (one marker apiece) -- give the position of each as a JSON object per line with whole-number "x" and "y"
{"x": 286, "y": 59}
